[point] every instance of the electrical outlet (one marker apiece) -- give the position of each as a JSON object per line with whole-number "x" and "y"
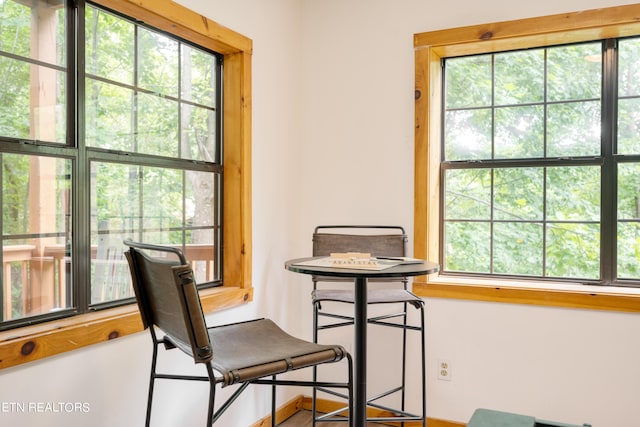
{"x": 444, "y": 370}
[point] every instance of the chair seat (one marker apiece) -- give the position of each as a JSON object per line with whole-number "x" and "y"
{"x": 236, "y": 359}
{"x": 374, "y": 296}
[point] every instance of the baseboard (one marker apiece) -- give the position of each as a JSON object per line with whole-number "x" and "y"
{"x": 283, "y": 413}
{"x": 323, "y": 405}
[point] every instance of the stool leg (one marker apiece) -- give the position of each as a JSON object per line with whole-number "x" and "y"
{"x": 404, "y": 360}
{"x": 314, "y": 394}
{"x": 423, "y": 350}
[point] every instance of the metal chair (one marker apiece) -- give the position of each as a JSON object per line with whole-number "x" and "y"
{"x": 377, "y": 240}
{"x": 251, "y": 352}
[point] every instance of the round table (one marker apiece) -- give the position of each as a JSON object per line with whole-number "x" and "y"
{"x": 360, "y": 277}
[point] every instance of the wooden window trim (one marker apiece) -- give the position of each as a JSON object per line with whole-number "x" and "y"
{"x": 430, "y": 48}
{"x": 18, "y": 346}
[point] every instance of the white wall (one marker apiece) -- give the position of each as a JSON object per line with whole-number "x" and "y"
{"x": 559, "y": 364}
{"x": 333, "y": 143}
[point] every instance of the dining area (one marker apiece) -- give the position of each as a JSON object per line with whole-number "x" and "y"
{"x": 259, "y": 352}
{"x": 358, "y": 255}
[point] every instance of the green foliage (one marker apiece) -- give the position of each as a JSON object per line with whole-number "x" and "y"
{"x": 15, "y": 192}
{"x": 573, "y": 250}
{"x": 518, "y": 248}
{"x": 468, "y": 134}
{"x": 574, "y": 72}
{"x": 573, "y": 129}
{"x": 519, "y": 194}
{"x": 15, "y": 28}
{"x": 573, "y": 193}
{"x": 532, "y": 221}
{"x": 519, "y": 77}
{"x": 519, "y": 132}
{"x": 467, "y": 247}
{"x": 144, "y": 93}
{"x": 468, "y": 194}
{"x": 468, "y": 83}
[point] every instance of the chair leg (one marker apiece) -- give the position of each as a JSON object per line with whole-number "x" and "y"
{"x": 212, "y": 395}
{"x": 152, "y": 378}
{"x": 273, "y": 403}
{"x": 351, "y": 421}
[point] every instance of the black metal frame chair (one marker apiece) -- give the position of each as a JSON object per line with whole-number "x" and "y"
{"x": 377, "y": 240}
{"x": 168, "y": 300}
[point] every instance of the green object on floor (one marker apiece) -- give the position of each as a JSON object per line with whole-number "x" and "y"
{"x": 490, "y": 418}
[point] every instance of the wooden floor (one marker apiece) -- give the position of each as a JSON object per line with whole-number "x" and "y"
{"x": 303, "y": 419}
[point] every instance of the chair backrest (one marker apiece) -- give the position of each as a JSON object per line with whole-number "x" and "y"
{"x": 168, "y": 298}
{"x": 378, "y": 240}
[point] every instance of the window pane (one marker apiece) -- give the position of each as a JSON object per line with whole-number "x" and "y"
{"x": 468, "y": 82}
{"x": 36, "y": 235}
{"x": 628, "y": 238}
{"x": 467, "y": 246}
{"x": 199, "y": 121}
{"x": 629, "y": 250}
{"x": 518, "y": 194}
{"x": 153, "y": 205}
{"x": 468, "y": 194}
{"x": 519, "y": 132}
{"x": 157, "y": 126}
{"x": 629, "y": 67}
{"x": 573, "y": 250}
{"x": 629, "y": 126}
{"x": 573, "y": 193}
{"x": 629, "y": 191}
{"x": 199, "y": 133}
{"x": 15, "y": 108}
{"x": 199, "y": 76}
{"x": 468, "y": 134}
{"x": 158, "y": 63}
{"x": 574, "y": 72}
{"x": 34, "y": 30}
{"x": 629, "y": 96}
{"x": 199, "y": 250}
{"x": 15, "y": 32}
{"x": 200, "y": 193}
{"x": 23, "y": 115}
{"x": 115, "y": 204}
{"x": 32, "y": 96}
{"x": 518, "y": 248}
{"x": 109, "y": 46}
{"x": 519, "y": 77}
{"x": 109, "y": 115}
{"x": 202, "y": 216}
{"x": 163, "y": 202}
{"x": 161, "y": 98}
{"x": 573, "y": 129}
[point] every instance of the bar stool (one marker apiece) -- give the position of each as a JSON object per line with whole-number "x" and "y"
{"x": 377, "y": 240}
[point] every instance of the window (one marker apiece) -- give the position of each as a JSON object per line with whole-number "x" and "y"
{"x": 522, "y": 166}
{"x": 128, "y": 146}
{"x": 149, "y": 94}
{"x": 525, "y": 177}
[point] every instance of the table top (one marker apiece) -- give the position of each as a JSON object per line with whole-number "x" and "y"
{"x": 401, "y": 270}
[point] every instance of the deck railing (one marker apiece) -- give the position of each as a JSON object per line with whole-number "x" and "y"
{"x": 34, "y": 280}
